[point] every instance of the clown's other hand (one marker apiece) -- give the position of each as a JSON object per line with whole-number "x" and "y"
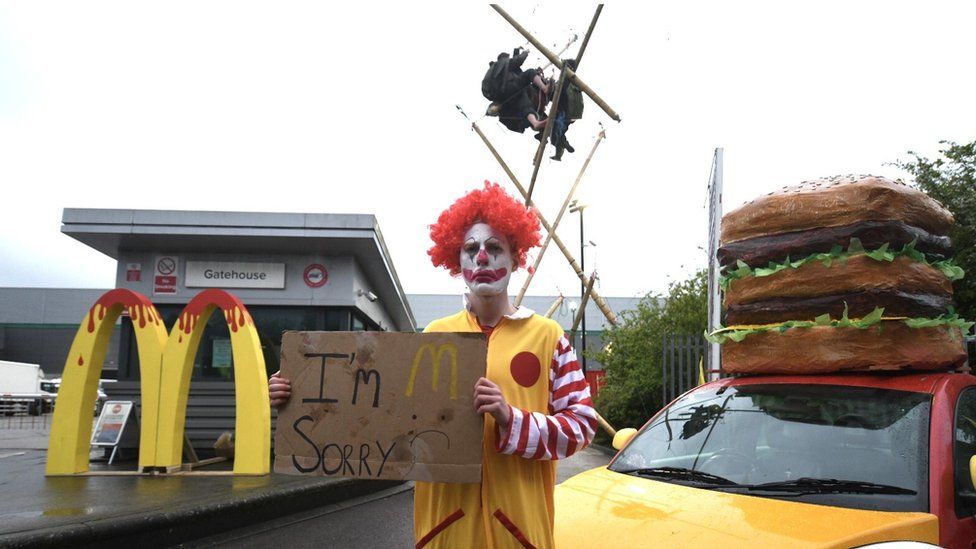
{"x": 279, "y": 389}
{"x": 488, "y": 399}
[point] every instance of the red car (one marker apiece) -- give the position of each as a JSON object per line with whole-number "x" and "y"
{"x": 895, "y": 443}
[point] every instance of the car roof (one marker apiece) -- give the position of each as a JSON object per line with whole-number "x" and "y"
{"x": 922, "y": 382}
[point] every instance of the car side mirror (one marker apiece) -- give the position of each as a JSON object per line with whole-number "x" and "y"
{"x": 623, "y": 436}
{"x": 972, "y": 469}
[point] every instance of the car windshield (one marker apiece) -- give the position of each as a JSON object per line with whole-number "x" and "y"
{"x": 857, "y": 447}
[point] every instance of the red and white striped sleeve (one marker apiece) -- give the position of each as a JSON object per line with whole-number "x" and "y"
{"x": 571, "y": 422}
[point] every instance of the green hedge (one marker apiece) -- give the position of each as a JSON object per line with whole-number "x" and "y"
{"x": 632, "y": 351}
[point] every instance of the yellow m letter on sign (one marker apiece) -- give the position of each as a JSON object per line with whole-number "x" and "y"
{"x": 165, "y": 366}
{"x": 435, "y": 357}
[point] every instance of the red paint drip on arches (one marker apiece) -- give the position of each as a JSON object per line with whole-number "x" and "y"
{"x": 232, "y": 308}
{"x": 81, "y": 360}
{"x": 187, "y": 322}
{"x": 113, "y": 298}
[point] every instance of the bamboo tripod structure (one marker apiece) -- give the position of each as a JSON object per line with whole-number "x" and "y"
{"x": 566, "y": 75}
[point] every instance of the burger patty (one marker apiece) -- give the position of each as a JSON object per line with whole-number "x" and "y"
{"x": 886, "y": 346}
{"x": 873, "y": 234}
{"x": 854, "y": 274}
{"x": 859, "y": 304}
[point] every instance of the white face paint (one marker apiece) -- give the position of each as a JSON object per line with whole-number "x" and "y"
{"x": 486, "y": 261}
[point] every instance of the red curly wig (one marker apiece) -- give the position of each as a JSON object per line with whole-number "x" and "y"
{"x": 491, "y": 205}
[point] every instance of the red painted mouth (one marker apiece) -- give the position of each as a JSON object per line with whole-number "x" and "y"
{"x": 485, "y": 275}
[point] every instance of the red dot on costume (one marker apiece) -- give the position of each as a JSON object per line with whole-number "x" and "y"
{"x": 526, "y": 369}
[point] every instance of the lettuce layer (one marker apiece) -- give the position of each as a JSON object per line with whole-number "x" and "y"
{"x": 738, "y": 333}
{"x": 839, "y": 254}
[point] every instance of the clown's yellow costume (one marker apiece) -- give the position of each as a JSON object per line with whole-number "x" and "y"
{"x": 552, "y": 416}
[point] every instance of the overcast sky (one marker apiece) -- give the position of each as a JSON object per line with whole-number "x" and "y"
{"x": 350, "y": 108}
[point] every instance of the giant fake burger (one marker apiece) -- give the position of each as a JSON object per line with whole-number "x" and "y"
{"x": 840, "y": 274}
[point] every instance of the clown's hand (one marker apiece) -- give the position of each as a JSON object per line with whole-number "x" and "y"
{"x": 488, "y": 399}
{"x": 279, "y": 390}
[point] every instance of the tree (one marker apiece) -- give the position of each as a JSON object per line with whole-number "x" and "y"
{"x": 633, "y": 350}
{"x": 951, "y": 179}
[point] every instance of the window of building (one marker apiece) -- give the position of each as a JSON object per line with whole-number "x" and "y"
{"x": 214, "y": 360}
{"x": 362, "y": 323}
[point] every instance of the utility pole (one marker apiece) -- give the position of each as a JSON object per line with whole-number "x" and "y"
{"x": 714, "y": 231}
{"x": 577, "y": 207}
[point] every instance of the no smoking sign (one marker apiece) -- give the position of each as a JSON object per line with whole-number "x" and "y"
{"x": 165, "y": 279}
{"x": 165, "y": 266}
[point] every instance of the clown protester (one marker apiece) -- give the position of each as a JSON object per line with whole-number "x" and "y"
{"x": 534, "y": 397}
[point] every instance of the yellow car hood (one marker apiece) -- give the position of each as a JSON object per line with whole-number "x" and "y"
{"x": 601, "y": 508}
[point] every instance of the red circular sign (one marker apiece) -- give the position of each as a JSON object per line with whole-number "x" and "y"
{"x": 117, "y": 408}
{"x": 526, "y": 369}
{"x": 315, "y": 275}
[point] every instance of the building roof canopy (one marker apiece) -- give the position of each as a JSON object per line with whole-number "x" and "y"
{"x": 172, "y": 231}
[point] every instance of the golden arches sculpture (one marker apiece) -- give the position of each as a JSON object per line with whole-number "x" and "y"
{"x": 166, "y": 364}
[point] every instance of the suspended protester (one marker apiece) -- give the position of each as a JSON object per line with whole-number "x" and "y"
{"x": 518, "y": 98}
{"x": 569, "y": 109}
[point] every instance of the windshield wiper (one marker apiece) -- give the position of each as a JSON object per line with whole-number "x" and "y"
{"x": 829, "y": 486}
{"x": 680, "y": 473}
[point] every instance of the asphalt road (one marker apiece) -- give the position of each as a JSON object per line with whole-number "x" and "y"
{"x": 383, "y": 519}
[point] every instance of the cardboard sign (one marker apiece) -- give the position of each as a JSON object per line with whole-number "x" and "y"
{"x": 381, "y": 405}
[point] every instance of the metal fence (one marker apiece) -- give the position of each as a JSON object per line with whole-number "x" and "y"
{"x": 13, "y": 417}
{"x": 971, "y": 349}
{"x": 679, "y": 366}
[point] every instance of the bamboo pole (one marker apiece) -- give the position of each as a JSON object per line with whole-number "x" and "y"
{"x": 558, "y": 63}
{"x": 601, "y": 303}
{"x": 589, "y": 32}
{"x": 606, "y": 425}
{"x": 537, "y": 161}
{"x": 555, "y": 224}
{"x": 582, "y": 308}
{"x": 562, "y": 51}
{"x": 555, "y": 305}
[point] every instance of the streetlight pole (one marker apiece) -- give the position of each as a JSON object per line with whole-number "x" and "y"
{"x": 577, "y": 207}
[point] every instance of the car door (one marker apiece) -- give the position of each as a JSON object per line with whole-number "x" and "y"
{"x": 963, "y": 448}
